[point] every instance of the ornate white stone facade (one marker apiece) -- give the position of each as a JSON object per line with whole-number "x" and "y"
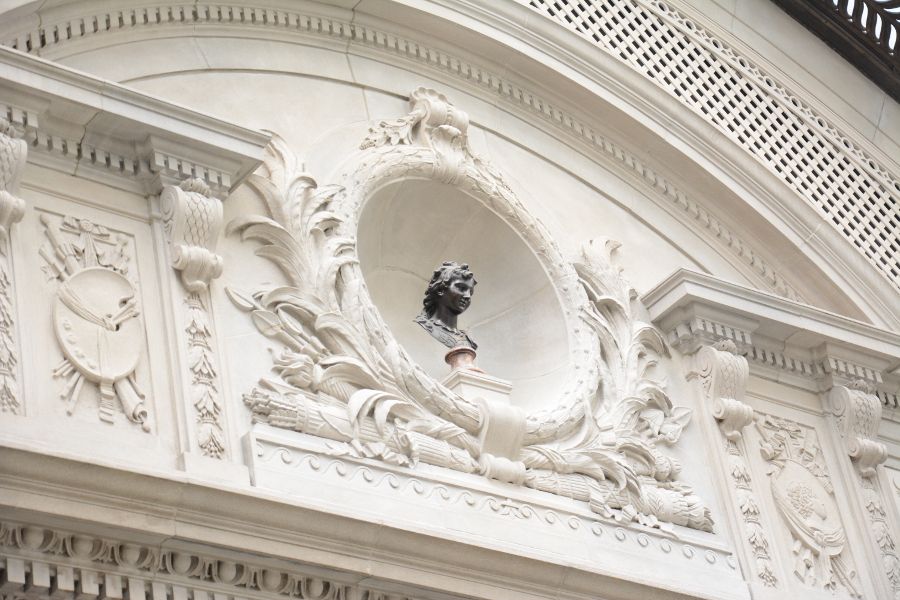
{"x": 217, "y": 222}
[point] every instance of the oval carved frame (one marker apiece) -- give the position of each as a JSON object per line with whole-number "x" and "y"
{"x": 343, "y": 376}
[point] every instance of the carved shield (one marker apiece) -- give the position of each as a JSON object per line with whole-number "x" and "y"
{"x": 96, "y": 322}
{"x": 809, "y": 509}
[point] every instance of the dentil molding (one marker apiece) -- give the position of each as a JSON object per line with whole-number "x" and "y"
{"x": 781, "y": 339}
{"x": 96, "y": 129}
{"x": 57, "y": 30}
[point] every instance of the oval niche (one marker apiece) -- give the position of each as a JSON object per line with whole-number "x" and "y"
{"x": 408, "y": 228}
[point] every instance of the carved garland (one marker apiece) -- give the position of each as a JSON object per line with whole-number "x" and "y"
{"x": 13, "y": 153}
{"x": 192, "y": 219}
{"x": 342, "y": 376}
{"x": 723, "y": 375}
{"x": 858, "y": 413}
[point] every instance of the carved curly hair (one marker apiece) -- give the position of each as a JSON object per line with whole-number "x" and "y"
{"x": 440, "y": 281}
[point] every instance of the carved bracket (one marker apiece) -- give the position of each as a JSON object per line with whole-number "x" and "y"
{"x": 723, "y": 374}
{"x": 858, "y": 412}
{"x": 192, "y": 218}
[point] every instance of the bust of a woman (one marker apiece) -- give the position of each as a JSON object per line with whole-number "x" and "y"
{"x": 448, "y": 295}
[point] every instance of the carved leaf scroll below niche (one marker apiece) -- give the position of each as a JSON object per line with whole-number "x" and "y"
{"x": 341, "y": 375}
{"x": 96, "y": 316}
{"x": 804, "y": 497}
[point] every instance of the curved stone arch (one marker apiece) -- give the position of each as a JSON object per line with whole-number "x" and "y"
{"x": 846, "y": 287}
{"x": 164, "y": 22}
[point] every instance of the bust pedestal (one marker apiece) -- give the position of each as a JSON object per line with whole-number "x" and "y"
{"x": 504, "y": 424}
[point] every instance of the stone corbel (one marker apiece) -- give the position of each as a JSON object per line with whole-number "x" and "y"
{"x": 723, "y": 374}
{"x": 13, "y": 154}
{"x": 192, "y": 218}
{"x": 858, "y": 413}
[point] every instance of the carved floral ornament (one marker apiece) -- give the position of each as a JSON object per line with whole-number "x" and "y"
{"x": 341, "y": 375}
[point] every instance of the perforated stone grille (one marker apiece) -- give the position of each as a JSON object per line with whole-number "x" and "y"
{"x": 857, "y": 195}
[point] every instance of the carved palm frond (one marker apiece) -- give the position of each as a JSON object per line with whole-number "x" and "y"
{"x": 630, "y": 349}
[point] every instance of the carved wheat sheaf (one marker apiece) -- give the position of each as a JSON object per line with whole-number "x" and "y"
{"x": 341, "y": 375}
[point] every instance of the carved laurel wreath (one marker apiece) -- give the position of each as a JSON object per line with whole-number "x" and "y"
{"x": 341, "y": 374}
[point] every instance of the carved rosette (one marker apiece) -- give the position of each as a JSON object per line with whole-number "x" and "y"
{"x": 723, "y": 374}
{"x": 342, "y": 375}
{"x": 13, "y": 155}
{"x": 192, "y": 219}
{"x": 857, "y": 411}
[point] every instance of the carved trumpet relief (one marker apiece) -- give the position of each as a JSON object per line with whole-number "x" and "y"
{"x": 96, "y": 316}
{"x": 13, "y": 154}
{"x": 341, "y": 375}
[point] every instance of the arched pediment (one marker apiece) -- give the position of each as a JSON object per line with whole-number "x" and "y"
{"x": 609, "y": 113}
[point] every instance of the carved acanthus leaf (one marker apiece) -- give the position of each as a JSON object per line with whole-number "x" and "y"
{"x": 192, "y": 219}
{"x": 341, "y": 374}
{"x": 858, "y": 413}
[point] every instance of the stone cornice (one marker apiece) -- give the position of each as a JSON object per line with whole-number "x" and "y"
{"x": 782, "y": 339}
{"x": 82, "y": 124}
{"x": 220, "y": 519}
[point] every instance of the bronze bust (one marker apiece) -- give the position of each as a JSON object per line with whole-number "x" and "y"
{"x": 448, "y": 295}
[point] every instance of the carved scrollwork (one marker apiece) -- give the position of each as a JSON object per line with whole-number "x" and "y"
{"x": 13, "y": 154}
{"x": 192, "y": 218}
{"x": 857, "y": 411}
{"x": 723, "y": 375}
{"x": 342, "y": 375}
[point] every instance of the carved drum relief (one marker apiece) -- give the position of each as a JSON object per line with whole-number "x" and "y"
{"x": 339, "y": 372}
